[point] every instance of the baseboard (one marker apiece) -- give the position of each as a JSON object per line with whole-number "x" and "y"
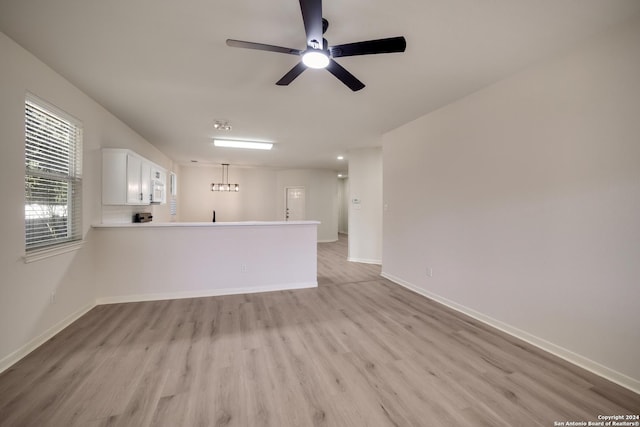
{"x": 17, "y": 355}
{"x": 574, "y": 358}
{"x": 365, "y": 261}
{"x": 327, "y": 240}
{"x": 203, "y": 293}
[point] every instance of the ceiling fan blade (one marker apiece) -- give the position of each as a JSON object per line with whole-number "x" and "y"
{"x": 369, "y": 47}
{"x": 292, "y": 74}
{"x": 261, "y": 46}
{"x": 312, "y": 18}
{"x": 344, "y": 76}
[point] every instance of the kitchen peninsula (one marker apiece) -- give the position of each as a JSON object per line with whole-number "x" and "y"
{"x": 153, "y": 261}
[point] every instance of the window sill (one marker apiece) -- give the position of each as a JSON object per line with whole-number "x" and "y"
{"x": 37, "y": 255}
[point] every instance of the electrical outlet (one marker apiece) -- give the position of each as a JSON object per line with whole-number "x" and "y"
{"x": 429, "y": 271}
{"x": 243, "y": 268}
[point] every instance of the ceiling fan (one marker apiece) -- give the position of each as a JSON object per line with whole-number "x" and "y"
{"x": 319, "y": 54}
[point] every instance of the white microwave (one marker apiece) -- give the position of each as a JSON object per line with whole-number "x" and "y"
{"x": 157, "y": 191}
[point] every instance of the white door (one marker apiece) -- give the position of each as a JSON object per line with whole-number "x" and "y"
{"x": 295, "y": 201}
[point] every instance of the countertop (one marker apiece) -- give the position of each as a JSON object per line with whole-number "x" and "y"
{"x": 204, "y": 224}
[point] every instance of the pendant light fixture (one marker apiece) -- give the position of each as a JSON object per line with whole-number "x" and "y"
{"x": 224, "y": 185}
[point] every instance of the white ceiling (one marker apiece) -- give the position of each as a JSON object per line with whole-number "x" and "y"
{"x": 162, "y": 66}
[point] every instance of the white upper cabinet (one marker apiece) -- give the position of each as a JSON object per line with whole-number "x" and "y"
{"x": 145, "y": 182}
{"x": 128, "y": 179}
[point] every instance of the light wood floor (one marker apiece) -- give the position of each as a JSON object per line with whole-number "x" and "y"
{"x": 356, "y": 351}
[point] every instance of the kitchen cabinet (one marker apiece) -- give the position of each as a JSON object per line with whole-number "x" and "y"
{"x": 127, "y": 178}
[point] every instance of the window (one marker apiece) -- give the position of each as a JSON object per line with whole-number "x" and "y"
{"x": 53, "y": 178}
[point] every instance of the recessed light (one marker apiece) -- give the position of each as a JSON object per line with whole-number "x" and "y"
{"x": 251, "y": 145}
{"x": 340, "y": 157}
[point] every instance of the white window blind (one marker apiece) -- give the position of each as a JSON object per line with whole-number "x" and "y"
{"x": 53, "y": 178}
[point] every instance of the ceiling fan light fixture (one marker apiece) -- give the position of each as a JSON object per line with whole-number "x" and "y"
{"x": 318, "y": 53}
{"x": 315, "y": 58}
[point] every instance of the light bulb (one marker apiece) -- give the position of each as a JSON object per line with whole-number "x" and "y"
{"x": 314, "y": 58}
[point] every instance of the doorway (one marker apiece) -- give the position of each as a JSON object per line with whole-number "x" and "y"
{"x": 294, "y": 209}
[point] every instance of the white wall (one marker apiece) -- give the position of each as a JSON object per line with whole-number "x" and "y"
{"x": 261, "y": 196}
{"x": 26, "y": 315}
{"x": 152, "y": 262}
{"x": 255, "y": 201}
{"x": 524, "y": 198}
{"x": 321, "y": 193}
{"x": 365, "y": 218}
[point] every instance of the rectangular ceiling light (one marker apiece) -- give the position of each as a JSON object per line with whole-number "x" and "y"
{"x": 251, "y": 145}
